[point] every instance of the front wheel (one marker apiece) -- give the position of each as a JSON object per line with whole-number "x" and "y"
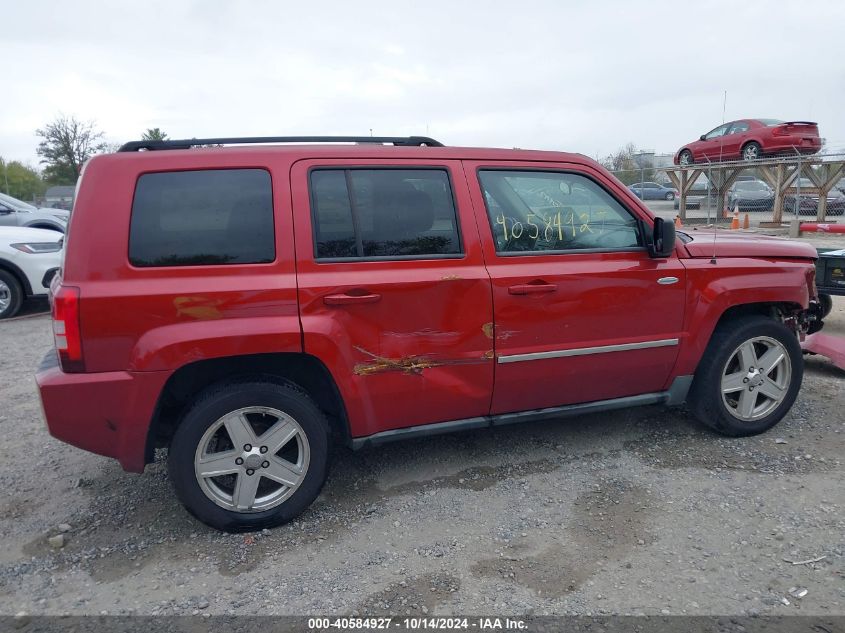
{"x": 749, "y": 376}
{"x": 826, "y": 302}
{"x": 685, "y": 158}
{"x": 249, "y": 455}
{"x": 670, "y": 196}
{"x": 11, "y": 295}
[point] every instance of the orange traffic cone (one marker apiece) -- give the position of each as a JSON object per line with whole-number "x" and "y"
{"x": 678, "y": 223}
{"x": 735, "y": 221}
{"x": 746, "y": 222}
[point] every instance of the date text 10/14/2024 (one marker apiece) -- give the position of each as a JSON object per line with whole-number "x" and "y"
{"x": 417, "y": 624}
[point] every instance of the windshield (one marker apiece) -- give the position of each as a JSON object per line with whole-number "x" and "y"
{"x": 751, "y": 186}
{"x": 17, "y": 205}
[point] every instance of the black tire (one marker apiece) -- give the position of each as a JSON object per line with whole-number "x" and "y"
{"x": 749, "y": 148}
{"x": 705, "y": 397}
{"x": 670, "y": 196}
{"x": 685, "y": 158}
{"x": 13, "y": 294}
{"x": 209, "y": 407}
{"x": 826, "y": 302}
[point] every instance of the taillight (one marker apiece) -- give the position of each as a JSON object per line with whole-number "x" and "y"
{"x": 66, "y": 329}
{"x": 781, "y": 130}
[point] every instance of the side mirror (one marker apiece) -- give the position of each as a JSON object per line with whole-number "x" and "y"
{"x": 703, "y": 137}
{"x": 662, "y": 239}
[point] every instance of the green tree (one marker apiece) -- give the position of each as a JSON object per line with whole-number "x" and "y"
{"x": 20, "y": 181}
{"x": 67, "y": 144}
{"x": 154, "y": 134}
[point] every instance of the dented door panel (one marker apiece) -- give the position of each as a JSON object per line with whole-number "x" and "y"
{"x": 415, "y": 346}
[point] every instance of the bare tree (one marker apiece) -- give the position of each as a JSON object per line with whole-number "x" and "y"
{"x": 67, "y": 144}
{"x": 629, "y": 165}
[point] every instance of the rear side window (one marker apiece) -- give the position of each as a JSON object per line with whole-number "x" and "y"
{"x": 206, "y": 218}
{"x": 389, "y": 213}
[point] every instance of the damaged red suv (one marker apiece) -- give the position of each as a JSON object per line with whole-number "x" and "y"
{"x": 250, "y": 304}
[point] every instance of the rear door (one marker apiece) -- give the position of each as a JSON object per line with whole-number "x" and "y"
{"x": 393, "y": 294}
{"x": 582, "y": 313}
{"x": 734, "y": 139}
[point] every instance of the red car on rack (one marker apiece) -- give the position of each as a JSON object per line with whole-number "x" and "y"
{"x": 750, "y": 139}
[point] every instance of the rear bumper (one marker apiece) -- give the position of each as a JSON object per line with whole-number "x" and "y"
{"x": 107, "y": 413}
{"x": 790, "y": 144}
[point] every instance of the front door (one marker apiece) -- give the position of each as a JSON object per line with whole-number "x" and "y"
{"x": 712, "y": 146}
{"x": 393, "y": 294}
{"x": 582, "y": 313}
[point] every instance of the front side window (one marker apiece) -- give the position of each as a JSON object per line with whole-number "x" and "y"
{"x": 202, "y": 218}
{"x": 719, "y": 131}
{"x": 383, "y": 213}
{"x": 535, "y": 212}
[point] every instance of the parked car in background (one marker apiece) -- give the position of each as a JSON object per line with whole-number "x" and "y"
{"x": 28, "y": 260}
{"x": 751, "y": 195}
{"x": 14, "y": 212}
{"x": 750, "y": 139}
{"x": 653, "y": 191}
{"x": 697, "y": 194}
{"x": 809, "y": 197}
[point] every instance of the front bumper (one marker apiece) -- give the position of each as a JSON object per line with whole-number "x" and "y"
{"x": 107, "y": 413}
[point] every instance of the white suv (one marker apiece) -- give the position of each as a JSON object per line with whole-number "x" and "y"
{"x": 28, "y": 260}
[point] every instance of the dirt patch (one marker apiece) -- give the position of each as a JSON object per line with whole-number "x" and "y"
{"x": 796, "y": 445}
{"x": 418, "y": 595}
{"x": 608, "y": 522}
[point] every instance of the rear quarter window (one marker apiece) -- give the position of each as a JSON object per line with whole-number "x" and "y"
{"x": 202, "y": 218}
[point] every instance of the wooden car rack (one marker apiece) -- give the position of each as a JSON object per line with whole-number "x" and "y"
{"x": 780, "y": 173}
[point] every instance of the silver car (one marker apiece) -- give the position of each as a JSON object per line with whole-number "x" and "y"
{"x": 14, "y": 212}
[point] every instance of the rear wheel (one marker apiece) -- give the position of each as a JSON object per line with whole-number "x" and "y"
{"x": 11, "y": 295}
{"x": 670, "y": 196}
{"x": 751, "y": 151}
{"x": 249, "y": 455}
{"x": 749, "y": 376}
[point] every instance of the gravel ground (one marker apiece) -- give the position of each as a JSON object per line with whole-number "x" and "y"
{"x": 638, "y": 511}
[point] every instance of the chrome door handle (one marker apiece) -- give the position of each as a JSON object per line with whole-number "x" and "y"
{"x": 667, "y": 281}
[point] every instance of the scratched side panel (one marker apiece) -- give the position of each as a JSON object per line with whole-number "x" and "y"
{"x": 164, "y": 317}
{"x": 422, "y": 353}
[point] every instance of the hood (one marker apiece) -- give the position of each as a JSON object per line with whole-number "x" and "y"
{"x": 733, "y": 244}
{"x": 57, "y": 214}
{"x": 12, "y": 234}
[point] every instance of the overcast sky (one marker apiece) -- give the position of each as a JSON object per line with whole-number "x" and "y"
{"x": 585, "y": 77}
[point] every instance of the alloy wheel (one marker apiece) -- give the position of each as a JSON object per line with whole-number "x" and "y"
{"x": 5, "y": 296}
{"x": 252, "y": 459}
{"x": 756, "y": 378}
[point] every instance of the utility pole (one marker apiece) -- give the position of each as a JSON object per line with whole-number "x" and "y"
{"x": 5, "y": 175}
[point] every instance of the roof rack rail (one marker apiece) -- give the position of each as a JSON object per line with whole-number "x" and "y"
{"x": 404, "y": 141}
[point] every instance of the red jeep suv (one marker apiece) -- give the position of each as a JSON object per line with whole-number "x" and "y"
{"x": 250, "y": 304}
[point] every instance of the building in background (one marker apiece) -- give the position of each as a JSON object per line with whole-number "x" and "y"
{"x": 60, "y": 197}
